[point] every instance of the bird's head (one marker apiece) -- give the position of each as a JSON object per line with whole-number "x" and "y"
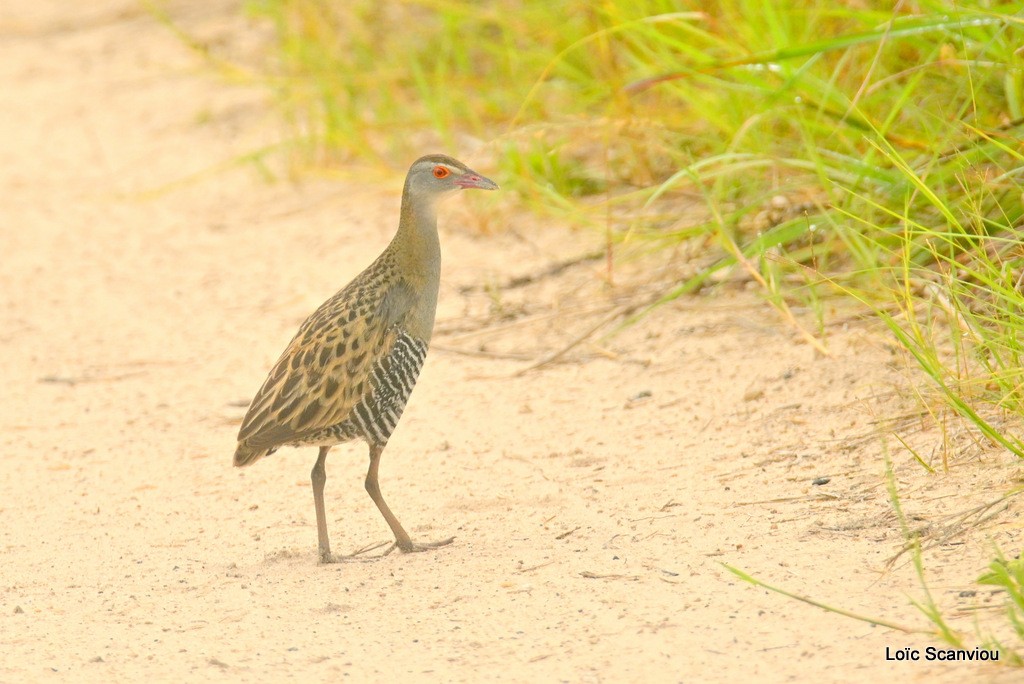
{"x": 437, "y": 174}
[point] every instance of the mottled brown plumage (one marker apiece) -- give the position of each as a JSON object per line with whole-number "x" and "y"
{"x": 349, "y": 370}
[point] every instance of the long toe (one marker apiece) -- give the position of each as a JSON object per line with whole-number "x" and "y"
{"x": 416, "y": 547}
{"x": 358, "y": 556}
{"x": 367, "y": 549}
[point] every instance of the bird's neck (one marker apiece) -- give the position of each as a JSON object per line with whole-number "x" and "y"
{"x": 416, "y": 240}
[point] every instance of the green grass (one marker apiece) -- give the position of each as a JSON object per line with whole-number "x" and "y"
{"x": 1008, "y": 575}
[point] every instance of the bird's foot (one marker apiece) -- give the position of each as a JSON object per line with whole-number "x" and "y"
{"x": 328, "y": 557}
{"x": 409, "y": 546}
{"x": 405, "y": 546}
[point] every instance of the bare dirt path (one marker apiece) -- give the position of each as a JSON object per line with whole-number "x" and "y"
{"x": 593, "y": 501}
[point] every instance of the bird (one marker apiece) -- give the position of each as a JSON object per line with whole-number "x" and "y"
{"x": 349, "y": 370}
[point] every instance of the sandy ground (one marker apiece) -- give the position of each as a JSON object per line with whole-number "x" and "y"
{"x": 148, "y": 283}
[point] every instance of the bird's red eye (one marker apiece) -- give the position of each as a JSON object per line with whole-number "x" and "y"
{"x": 441, "y": 172}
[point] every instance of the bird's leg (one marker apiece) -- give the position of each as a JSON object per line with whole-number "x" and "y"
{"x": 319, "y": 478}
{"x": 402, "y": 540}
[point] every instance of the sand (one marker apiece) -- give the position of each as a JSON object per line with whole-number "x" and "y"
{"x": 149, "y": 279}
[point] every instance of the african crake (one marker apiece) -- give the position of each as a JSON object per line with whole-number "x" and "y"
{"x": 348, "y": 372}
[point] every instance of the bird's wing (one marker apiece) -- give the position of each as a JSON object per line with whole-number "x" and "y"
{"x": 326, "y": 368}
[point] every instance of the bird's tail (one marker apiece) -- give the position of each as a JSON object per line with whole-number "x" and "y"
{"x": 246, "y": 455}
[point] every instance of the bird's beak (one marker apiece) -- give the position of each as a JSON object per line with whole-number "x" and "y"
{"x": 472, "y": 179}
